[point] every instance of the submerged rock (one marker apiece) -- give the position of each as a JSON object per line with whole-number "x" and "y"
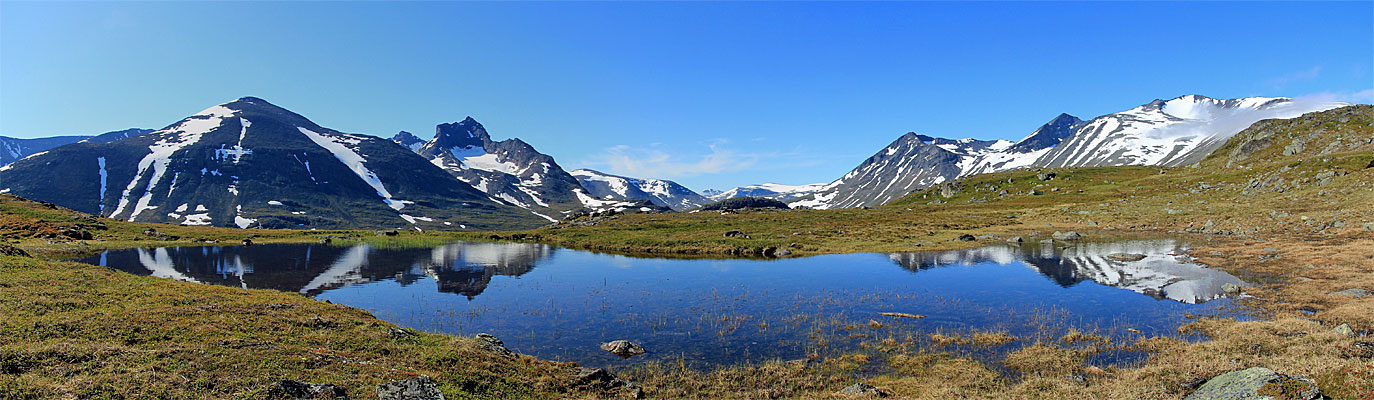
{"x": 493, "y": 345}
{"x": 623, "y": 348}
{"x": 861, "y": 389}
{"x": 418, "y": 388}
{"x": 1126, "y": 257}
{"x": 1248, "y": 384}
{"x": 303, "y": 390}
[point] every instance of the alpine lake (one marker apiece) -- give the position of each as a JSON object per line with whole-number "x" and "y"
{"x": 560, "y": 304}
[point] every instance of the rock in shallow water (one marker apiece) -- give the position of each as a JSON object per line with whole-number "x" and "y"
{"x": 1070, "y": 235}
{"x": 419, "y": 388}
{"x": 623, "y": 348}
{"x": 1249, "y": 383}
{"x": 1126, "y": 257}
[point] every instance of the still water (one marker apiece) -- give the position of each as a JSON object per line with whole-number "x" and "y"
{"x": 558, "y": 304}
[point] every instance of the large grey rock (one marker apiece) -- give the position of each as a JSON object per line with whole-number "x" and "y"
{"x": 1247, "y": 384}
{"x": 861, "y": 389}
{"x": 303, "y": 390}
{"x": 623, "y": 348}
{"x": 495, "y": 346}
{"x": 418, "y": 388}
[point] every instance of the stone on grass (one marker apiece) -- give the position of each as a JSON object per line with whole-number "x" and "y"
{"x": 1015, "y": 239}
{"x": 1344, "y": 329}
{"x": 1230, "y": 288}
{"x": 861, "y": 389}
{"x": 1353, "y": 292}
{"x": 623, "y": 348}
{"x": 418, "y": 388}
{"x": 493, "y": 345}
{"x": 1248, "y": 384}
{"x": 303, "y": 390}
{"x": 966, "y": 238}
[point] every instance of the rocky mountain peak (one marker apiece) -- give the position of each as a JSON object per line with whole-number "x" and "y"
{"x": 466, "y": 133}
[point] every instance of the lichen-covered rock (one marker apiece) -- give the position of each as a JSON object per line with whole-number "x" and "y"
{"x": 418, "y": 388}
{"x": 1344, "y": 329}
{"x": 303, "y": 390}
{"x": 1256, "y": 383}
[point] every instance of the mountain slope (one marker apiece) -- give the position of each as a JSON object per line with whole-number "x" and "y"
{"x": 661, "y": 192}
{"x": 14, "y": 149}
{"x": 248, "y": 163}
{"x": 1175, "y": 132}
{"x": 509, "y": 171}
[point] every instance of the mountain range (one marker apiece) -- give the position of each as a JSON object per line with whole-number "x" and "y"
{"x": 248, "y": 163}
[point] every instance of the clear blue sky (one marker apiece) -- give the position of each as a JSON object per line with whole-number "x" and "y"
{"x": 712, "y": 95}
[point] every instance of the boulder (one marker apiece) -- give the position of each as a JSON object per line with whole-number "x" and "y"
{"x": 392, "y": 232}
{"x": 784, "y": 253}
{"x": 736, "y": 234}
{"x": 303, "y": 390}
{"x": 600, "y": 379}
{"x": 623, "y": 348}
{"x": 1045, "y": 176}
{"x": 418, "y": 388}
{"x": 247, "y": 242}
{"x": 1249, "y": 383}
{"x": 949, "y": 189}
{"x": 1070, "y": 235}
{"x": 493, "y": 345}
{"x": 1015, "y": 239}
{"x": 861, "y": 389}
{"x": 966, "y": 238}
{"x": 1126, "y": 257}
{"x": 1344, "y": 329}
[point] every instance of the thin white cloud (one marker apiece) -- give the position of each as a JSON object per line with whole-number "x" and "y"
{"x": 652, "y": 162}
{"x": 1363, "y": 97}
{"x": 1304, "y": 75}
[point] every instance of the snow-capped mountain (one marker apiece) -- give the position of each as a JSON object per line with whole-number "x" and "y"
{"x": 660, "y": 192}
{"x": 911, "y": 162}
{"x": 773, "y": 191}
{"x": 509, "y": 171}
{"x": 14, "y": 149}
{"x": 409, "y": 140}
{"x": 1175, "y": 132}
{"x": 248, "y": 163}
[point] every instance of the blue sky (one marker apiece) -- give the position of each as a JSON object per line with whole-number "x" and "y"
{"x": 712, "y": 95}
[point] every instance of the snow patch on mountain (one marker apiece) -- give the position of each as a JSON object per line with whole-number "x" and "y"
{"x": 185, "y": 133}
{"x": 355, "y": 162}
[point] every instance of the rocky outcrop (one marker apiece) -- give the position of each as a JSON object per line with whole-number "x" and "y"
{"x": 303, "y": 390}
{"x": 1255, "y": 384}
{"x": 745, "y": 203}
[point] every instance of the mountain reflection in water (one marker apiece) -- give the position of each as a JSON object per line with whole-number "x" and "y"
{"x": 1164, "y": 273}
{"x": 461, "y": 268}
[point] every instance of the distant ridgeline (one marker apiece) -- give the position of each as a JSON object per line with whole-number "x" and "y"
{"x": 248, "y": 163}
